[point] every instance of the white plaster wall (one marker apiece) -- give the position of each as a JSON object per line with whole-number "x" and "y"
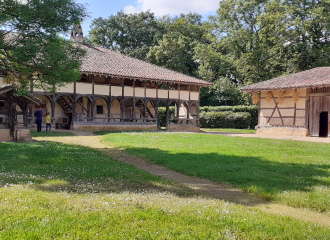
{"x": 115, "y": 109}
{"x": 139, "y": 92}
{"x": 101, "y": 89}
{"x": 116, "y": 91}
{"x": 128, "y": 91}
{"x": 301, "y": 103}
{"x": 151, "y": 93}
{"x": 68, "y": 88}
{"x": 162, "y": 93}
{"x": 288, "y": 102}
{"x": 102, "y": 102}
{"x": 184, "y": 95}
{"x": 287, "y": 112}
{"x": 265, "y": 104}
{"x": 84, "y": 88}
{"x": 2, "y": 81}
{"x": 194, "y": 96}
{"x": 151, "y": 108}
{"x": 174, "y": 94}
{"x": 182, "y": 111}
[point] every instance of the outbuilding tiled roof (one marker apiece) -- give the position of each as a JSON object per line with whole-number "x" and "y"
{"x": 100, "y": 60}
{"x": 316, "y": 77}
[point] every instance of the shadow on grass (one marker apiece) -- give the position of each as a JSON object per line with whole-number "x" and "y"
{"x": 251, "y": 174}
{"x": 120, "y": 131}
{"x": 50, "y": 166}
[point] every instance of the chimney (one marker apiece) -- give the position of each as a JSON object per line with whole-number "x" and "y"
{"x": 77, "y": 34}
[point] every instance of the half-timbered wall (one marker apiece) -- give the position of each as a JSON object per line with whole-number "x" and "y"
{"x": 285, "y": 114}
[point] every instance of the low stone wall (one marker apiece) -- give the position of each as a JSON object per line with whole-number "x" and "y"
{"x": 299, "y": 132}
{"x": 182, "y": 128}
{"x": 116, "y": 127}
{"x": 21, "y": 135}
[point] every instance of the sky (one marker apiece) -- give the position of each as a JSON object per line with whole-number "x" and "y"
{"x": 106, "y": 8}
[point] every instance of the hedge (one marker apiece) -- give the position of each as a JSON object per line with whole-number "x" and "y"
{"x": 162, "y": 115}
{"x": 205, "y": 120}
{"x": 253, "y": 110}
{"x": 240, "y": 120}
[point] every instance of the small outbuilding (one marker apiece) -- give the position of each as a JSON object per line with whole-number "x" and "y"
{"x": 297, "y": 104}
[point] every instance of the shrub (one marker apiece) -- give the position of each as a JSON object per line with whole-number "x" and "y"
{"x": 228, "y": 119}
{"x": 252, "y": 110}
{"x": 162, "y": 115}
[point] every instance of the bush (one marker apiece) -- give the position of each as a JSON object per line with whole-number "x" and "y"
{"x": 228, "y": 119}
{"x": 162, "y": 115}
{"x": 252, "y": 110}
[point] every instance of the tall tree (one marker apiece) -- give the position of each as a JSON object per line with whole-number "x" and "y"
{"x": 30, "y": 47}
{"x": 131, "y": 34}
{"x": 175, "y": 52}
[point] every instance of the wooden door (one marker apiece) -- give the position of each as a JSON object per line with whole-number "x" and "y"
{"x": 318, "y": 104}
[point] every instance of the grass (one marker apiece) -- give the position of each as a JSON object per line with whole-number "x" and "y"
{"x": 228, "y": 130}
{"x": 51, "y": 134}
{"x": 56, "y": 191}
{"x": 289, "y": 172}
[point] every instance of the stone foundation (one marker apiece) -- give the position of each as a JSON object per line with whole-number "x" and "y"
{"x": 116, "y": 127}
{"x": 182, "y": 128}
{"x": 299, "y": 132}
{"x": 21, "y": 135}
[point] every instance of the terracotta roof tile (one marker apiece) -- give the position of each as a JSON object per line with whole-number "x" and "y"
{"x": 316, "y": 77}
{"x": 105, "y": 61}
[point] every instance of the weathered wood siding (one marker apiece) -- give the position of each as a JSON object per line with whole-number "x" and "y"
{"x": 318, "y": 104}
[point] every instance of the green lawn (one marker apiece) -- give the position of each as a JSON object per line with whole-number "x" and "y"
{"x": 55, "y": 191}
{"x": 51, "y": 134}
{"x": 228, "y": 130}
{"x": 290, "y": 172}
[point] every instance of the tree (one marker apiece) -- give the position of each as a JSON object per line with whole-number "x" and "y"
{"x": 258, "y": 40}
{"x": 131, "y": 34}
{"x": 31, "y": 50}
{"x": 175, "y": 52}
{"x": 224, "y": 92}
{"x": 305, "y": 31}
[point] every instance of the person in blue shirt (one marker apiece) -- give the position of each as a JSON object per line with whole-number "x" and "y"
{"x": 38, "y": 115}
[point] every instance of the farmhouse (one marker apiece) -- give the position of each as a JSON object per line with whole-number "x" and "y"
{"x": 297, "y": 104}
{"x": 117, "y": 92}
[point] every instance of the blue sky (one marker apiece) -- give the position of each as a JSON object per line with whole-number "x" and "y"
{"x": 105, "y": 8}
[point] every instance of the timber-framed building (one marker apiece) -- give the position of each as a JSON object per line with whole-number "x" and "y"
{"x": 117, "y": 92}
{"x": 297, "y": 104}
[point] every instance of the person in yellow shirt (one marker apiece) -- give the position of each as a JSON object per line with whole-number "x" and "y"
{"x": 48, "y": 122}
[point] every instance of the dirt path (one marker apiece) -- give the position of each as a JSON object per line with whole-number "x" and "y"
{"x": 203, "y": 186}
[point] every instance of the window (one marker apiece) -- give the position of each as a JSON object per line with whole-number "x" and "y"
{"x": 99, "y": 109}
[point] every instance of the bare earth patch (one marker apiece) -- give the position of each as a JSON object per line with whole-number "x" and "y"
{"x": 205, "y": 187}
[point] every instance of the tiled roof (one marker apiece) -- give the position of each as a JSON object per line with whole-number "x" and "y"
{"x": 316, "y": 77}
{"x": 100, "y": 60}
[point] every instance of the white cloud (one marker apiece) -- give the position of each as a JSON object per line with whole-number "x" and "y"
{"x": 172, "y": 7}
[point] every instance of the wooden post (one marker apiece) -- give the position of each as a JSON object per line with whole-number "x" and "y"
{"x": 52, "y": 110}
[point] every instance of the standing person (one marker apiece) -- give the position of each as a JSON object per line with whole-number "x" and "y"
{"x": 48, "y": 122}
{"x": 38, "y": 115}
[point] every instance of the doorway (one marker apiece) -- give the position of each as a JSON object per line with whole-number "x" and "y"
{"x": 323, "y": 124}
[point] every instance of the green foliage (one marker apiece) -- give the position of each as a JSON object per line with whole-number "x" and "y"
{"x": 224, "y": 93}
{"x": 162, "y": 115}
{"x": 255, "y": 41}
{"x": 240, "y": 120}
{"x": 175, "y": 52}
{"x": 252, "y": 110}
{"x": 30, "y": 48}
{"x": 131, "y": 34}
